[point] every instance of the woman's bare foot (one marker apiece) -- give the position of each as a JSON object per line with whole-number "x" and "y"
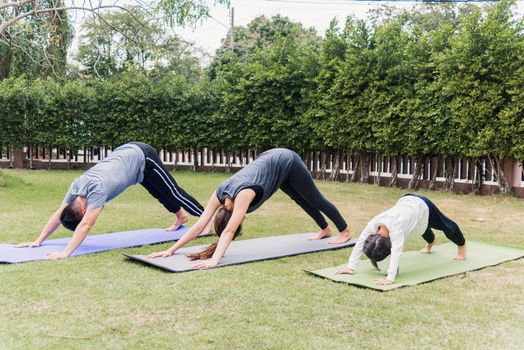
{"x": 181, "y": 218}
{"x": 342, "y": 237}
{"x": 461, "y": 252}
{"x": 427, "y": 248}
{"x": 321, "y": 234}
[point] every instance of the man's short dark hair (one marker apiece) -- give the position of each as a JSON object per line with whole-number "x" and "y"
{"x": 71, "y": 216}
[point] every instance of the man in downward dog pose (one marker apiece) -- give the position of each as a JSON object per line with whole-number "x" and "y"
{"x": 386, "y": 233}
{"x": 247, "y": 190}
{"x": 127, "y": 165}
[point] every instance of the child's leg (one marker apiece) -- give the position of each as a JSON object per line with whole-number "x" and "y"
{"x": 439, "y": 221}
{"x": 429, "y": 237}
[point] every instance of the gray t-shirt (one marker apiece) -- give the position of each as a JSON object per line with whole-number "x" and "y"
{"x": 124, "y": 167}
{"x": 264, "y": 175}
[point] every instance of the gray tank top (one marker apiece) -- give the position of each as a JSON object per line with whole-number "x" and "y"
{"x": 264, "y": 175}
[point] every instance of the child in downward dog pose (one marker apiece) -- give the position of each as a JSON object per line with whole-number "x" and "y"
{"x": 385, "y": 234}
{"x": 247, "y": 190}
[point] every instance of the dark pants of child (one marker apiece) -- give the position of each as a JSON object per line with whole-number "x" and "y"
{"x": 441, "y": 222}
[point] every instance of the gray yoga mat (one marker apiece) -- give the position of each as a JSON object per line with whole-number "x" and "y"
{"x": 248, "y": 250}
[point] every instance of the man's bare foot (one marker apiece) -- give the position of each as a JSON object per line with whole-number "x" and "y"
{"x": 342, "y": 237}
{"x": 321, "y": 234}
{"x": 181, "y": 218}
{"x": 427, "y": 248}
{"x": 461, "y": 252}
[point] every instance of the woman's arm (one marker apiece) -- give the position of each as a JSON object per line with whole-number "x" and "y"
{"x": 50, "y": 227}
{"x": 212, "y": 205}
{"x": 242, "y": 201}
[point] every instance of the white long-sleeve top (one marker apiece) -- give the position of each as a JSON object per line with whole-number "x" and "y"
{"x": 409, "y": 217}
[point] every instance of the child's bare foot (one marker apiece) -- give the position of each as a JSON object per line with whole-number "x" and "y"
{"x": 321, "y": 234}
{"x": 461, "y": 252}
{"x": 181, "y": 218}
{"x": 342, "y": 237}
{"x": 427, "y": 248}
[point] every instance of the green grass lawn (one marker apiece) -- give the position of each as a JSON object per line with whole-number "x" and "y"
{"x": 103, "y": 301}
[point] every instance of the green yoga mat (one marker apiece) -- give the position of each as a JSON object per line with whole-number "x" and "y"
{"x": 416, "y": 267}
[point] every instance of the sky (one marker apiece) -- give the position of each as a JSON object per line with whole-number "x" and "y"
{"x": 311, "y": 13}
{"x": 208, "y": 33}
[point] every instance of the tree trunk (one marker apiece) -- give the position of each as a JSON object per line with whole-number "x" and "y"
{"x": 348, "y": 161}
{"x": 335, "y": 171}
{"x": 378, "y": 171}
{"x": 364, "y": 169}
{"x": 322, "y": 173}
{"x": 30, "y": 151}
{"x": 450, "y": 173}
{"x": 477, "y": 176}
{"x": 394, "y": 172}
{"x": 502, "y": 180}
{"x": 414, "y": 183}
{"x": 433, "y": 181}
{"x": 356, "y": 169}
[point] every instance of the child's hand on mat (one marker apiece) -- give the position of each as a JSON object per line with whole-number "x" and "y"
{"x": 163, "y": 254}
{"x": 206, "y": 264}
{"x": 383, "y": 282}
{"x": 28, "y": 245}
{"x": 55, "y": 255}
{"x": 345, "y": 272}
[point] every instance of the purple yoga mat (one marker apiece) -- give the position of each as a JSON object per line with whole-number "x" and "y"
{"x": 92, "y": 244}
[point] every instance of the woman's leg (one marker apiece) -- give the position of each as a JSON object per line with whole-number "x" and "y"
{"x": 300, "y": 180}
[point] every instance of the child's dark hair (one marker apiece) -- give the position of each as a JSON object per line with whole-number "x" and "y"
{"x": 71, "y": 216}
{"x": 221, "y": 220}
{"x": 377, "y": 248}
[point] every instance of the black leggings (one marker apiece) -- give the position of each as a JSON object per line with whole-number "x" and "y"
{"x": 161, "y": 185}
{"x": 300, "y": 187}
{"x": 441, "y": 222}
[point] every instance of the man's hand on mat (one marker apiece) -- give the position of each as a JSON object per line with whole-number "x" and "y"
{"x": 28, "y": 245}
{"x": 206, "y": 264}
{"x": 163, "y": 254}
{"x": 383, "y": 282}
{"x": 461, "y": 253}
{"x": 55, "y": 255}
{"x": 321, "y": 234}
{"x": 342, "y": 237}
{"x": 345, "y": 272}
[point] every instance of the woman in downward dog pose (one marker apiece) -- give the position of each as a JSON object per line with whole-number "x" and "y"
{"x": 247, "y": 190}
{"x": 385, "y": 234}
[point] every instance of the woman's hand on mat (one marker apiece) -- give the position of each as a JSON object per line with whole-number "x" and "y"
{"x": 163, "y": 254}
{"x": 206, "y": 264}
{"x": 383, "y": 282}
{"x": 55, "y": 255}
{"x": 345, "y": 272}
{"x": 28, "y": 245}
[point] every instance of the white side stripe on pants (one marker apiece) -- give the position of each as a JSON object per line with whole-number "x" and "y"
{"x": 172, "y": 187}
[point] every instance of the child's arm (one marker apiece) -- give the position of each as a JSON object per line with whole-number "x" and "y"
{"x": 242, "y": 201}
{"x": 354, "y": 258}
{"x": 195, "y": 230}
{"x": 50, "y": 227}
{"x": 397, "y": 245}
